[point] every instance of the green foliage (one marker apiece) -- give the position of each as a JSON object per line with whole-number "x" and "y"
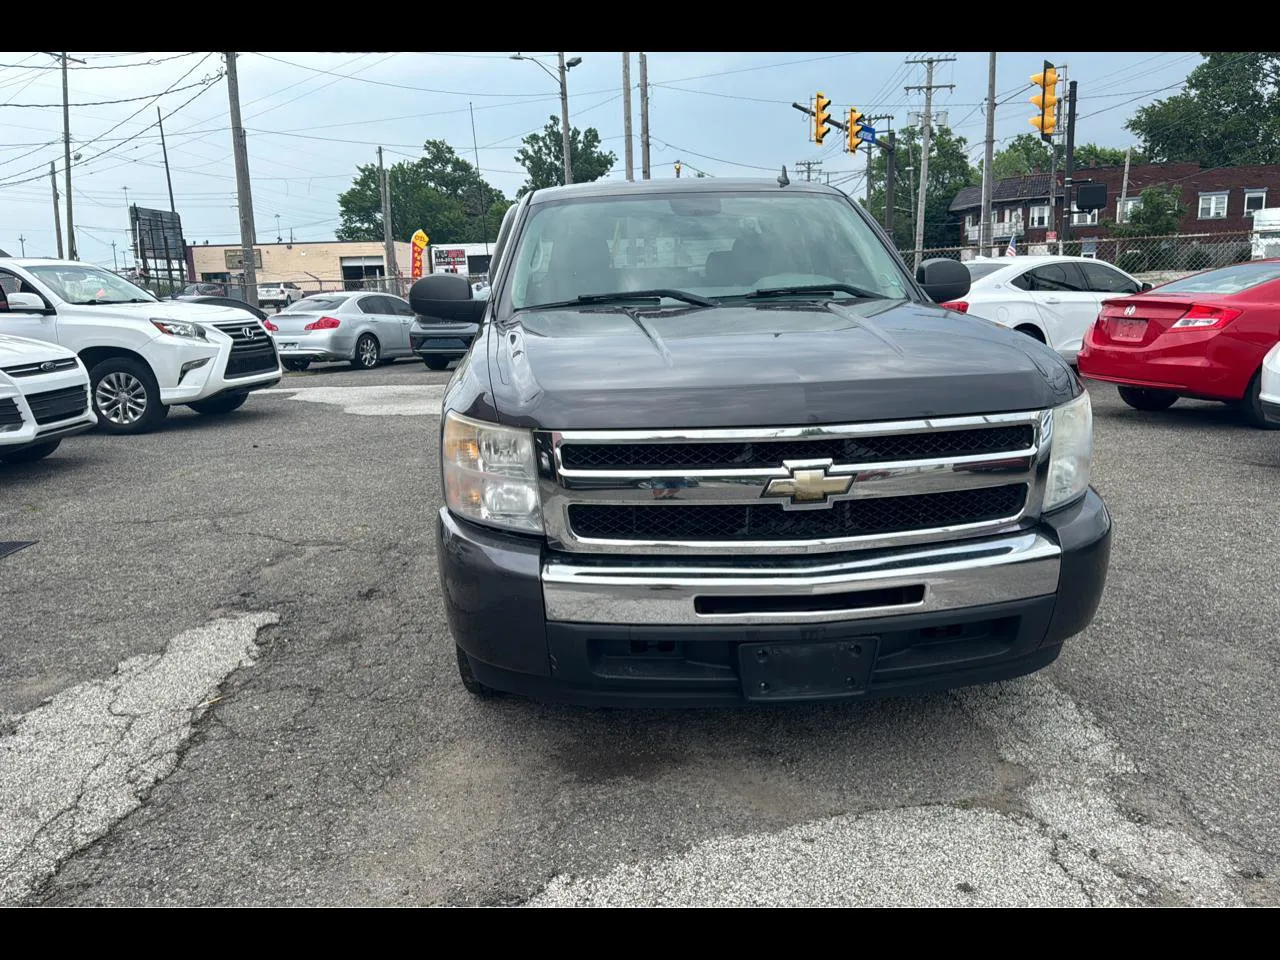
{"x": 1133, "y": 261}
{"x": 1158, "y": 215}
{"x": 1228, "y": 114}
{"x": 949, "y": 172}
{"x": 1092, "y": 155}
{"x": 440, "y": 193}
{"x": 1027, "y": 152}
{"x": 542, "y": 156}
{"x": 1195, "y": 258}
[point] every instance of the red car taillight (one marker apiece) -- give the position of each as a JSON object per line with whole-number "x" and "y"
{"x": 1203, "y": 317}
{"x": 270, "y": 326}
{"x": 324, "y": 323}
{"x": 957, "y": 305}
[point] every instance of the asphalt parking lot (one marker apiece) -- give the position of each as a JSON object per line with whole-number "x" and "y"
{"x": 225, "y": 679}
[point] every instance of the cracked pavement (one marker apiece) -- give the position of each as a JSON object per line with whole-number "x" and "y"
{"x": 346, "y": 765}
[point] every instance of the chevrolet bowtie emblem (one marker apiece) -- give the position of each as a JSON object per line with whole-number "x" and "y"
{"x": 808, "y": 485}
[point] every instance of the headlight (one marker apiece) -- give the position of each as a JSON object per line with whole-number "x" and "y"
{"x": 180, "y": 328}
{"x": 1071, "y": 452}
{"x": 491, "y": 474}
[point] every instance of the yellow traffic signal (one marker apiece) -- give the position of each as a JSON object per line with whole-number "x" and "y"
{"x": 1046, "y": 99}
{"x": 820, "y": 118}
{"x": 854, "y": 129}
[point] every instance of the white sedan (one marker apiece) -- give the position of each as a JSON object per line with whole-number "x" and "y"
{"x": 44, "y": 397}
{"x": 1054, "y": 299}
{"x": 1270, "y": 393}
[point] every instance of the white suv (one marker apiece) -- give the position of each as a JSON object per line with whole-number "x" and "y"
{"x": 44, "y": 397}
{"x": 270, "y": 294}
{"x": 143, "y": 355}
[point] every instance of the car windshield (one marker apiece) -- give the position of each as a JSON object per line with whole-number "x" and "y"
{"x": 979, "y": 270}
{"x": 1227, "y": 280}
{"x": 703, "y": 246}
{"x": 312, "y": 304}
{"x": 82, "y": 284}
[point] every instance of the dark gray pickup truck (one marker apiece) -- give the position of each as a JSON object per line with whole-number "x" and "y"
{"x": 713, "y": 442}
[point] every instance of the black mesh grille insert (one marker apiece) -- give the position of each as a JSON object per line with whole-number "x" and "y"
{"x": 771, "y": 453}
{"x": 848, "y": 518}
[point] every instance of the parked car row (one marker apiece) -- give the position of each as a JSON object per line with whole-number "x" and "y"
{"x": 83, "y": 346}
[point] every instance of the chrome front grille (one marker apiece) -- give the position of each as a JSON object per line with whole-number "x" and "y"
{"x": 792, "y": 489}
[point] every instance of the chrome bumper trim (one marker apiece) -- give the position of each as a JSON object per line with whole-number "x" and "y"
{"x": 968, "y": 574}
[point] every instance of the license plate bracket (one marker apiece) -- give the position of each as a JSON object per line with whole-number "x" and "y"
{"x": 288, "y": 346}
{"x": 807, "y": 670}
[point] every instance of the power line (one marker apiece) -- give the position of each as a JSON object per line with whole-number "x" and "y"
{"x": 113, "y": 66}
{"x": 397, "y": 86}
{"x": 100, "y": 103}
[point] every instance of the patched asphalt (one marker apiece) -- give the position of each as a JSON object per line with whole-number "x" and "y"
{"x": 346, "y": 765}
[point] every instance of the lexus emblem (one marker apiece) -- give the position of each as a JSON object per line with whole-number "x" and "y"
{"x": 1130, "y": 310}
{"x": 808, "y": 485}
{"x": 249, "y": 332}
{"x": 49, "y": 365}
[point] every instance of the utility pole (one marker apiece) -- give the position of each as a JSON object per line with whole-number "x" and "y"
{"x": 169, "y": 182}
{"x": 988, "y": 158}
{"x": 644, "y": 117}
{"x": 22, "y": 242}
{"x": 869, "y": 174}
{"x": 244, "y": 194}
{"x": 115, "y": 265}
{"x": 808, "y": 168}
{"x": 1067, "y": 202}
{"x": 925, "y": 137}
{"x": 57, "y": 215}
{"x": 890, "y": 186}
{"x": 564, "y": 119}
{"x": 72, "y": 254}
{"x": 1124, "y": 184}
{"x": 484, "y": 198}
{"x": 626, "y": 115}
{"x": 388, "y": 244}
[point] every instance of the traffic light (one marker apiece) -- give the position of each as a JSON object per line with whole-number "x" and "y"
{"x": 677, "y": 169}
{"x": 854, "y": 129}
{"x": 820, "y": 118}
{"x": 1046, "y": 99}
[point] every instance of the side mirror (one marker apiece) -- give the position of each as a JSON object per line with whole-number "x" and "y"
{"x": 24, "y": 303}
{"x": 1144, "y": 288}
{"x": 943, "y": 279}
{"x": 446, "y": 296}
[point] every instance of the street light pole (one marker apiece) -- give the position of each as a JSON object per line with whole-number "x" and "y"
{"x": 564, "y": 119}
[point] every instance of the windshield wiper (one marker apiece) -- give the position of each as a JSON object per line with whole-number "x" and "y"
{"x": 830, "y": 289}
{"x": 103, "y": 303}
{"x": 627, "y": 296}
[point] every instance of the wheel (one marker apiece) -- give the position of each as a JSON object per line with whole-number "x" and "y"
{"x": 1032, "y": 332}
{"x": 298, "y": 365}
{"x": 30, "y": 454}
{"x": 1141, "y": 399}
{"x": 219, "y": 405}
{"x": 436, "y": 363}
{"x": 1251, "y": 405}
{"x": 367, "y": 352}
{"x": 125, "y": 395}
{"x": 474, "y": 686}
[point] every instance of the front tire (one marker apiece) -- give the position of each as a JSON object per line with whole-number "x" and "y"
{"x": 368, "y": 352}
{"x": 1251, "y": 406}
{"x": 1148, "y": 400}
{"x": 215, "y": 406}
{"x": 473, "y": 686}
{"x": 30, "y": 454}
{"x": 125, "y": 396}
{"x": 436, "y": 363}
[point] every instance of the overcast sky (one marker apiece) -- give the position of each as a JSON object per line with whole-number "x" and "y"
{"x": 311, "y": 117}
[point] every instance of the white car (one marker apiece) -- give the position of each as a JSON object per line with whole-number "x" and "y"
{"x": 270, "y": 294}
{"x": 1270, "y": 393}
{"x": 143, "y": 355}
{"x": 44, "y": 397}
{"x": 1054, "y": 299}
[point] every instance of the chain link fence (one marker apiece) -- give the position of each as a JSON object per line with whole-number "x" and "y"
{"x": 310, "y": 286}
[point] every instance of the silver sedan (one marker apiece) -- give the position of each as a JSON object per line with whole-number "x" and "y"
{"x": 363, "y": 329}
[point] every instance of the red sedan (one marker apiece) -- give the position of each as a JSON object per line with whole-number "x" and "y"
{"x": 1203, "y": 336}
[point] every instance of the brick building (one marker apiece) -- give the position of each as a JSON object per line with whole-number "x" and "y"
{"x": 1027, "y": 209}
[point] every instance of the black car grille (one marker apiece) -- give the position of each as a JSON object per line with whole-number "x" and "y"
{"x": 249, "y": 355}
{"x": 10, "y": 415}
{"x": 54, "y": 405}
{"x": 848, "y": 518}
{"x": 36, "y": 369}
{"x": 771, "y": 453}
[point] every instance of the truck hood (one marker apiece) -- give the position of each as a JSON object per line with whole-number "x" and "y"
{"x": 15, "y": 351}
{"x": 780, "y": 364}
{"x": 202, "y": 313}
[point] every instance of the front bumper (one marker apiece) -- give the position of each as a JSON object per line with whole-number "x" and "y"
{"x": 192, "y": 370}
{"x": 442, "y": 339}
{"x": 647, "y": 632}
{"x": 19, "y": 393}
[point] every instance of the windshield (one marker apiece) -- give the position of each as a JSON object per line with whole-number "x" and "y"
{"x": 1227, "y": 280}
{"x": 311, "y": 304}
{"x": 712, "y": 245}
{"x": 979, "y": 270}
{"x": 83, "y": 284}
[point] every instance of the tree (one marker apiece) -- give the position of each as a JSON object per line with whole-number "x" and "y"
{"x": 1092, "y": 155}
{"x": 1157, "y": 214}
{"x": 439, "y": 192}
{"x": 1228, "y": 114}
{"x": 542, "y": 156}
{"x": 949, "y": 172}
{"x": 1025, "y": 154}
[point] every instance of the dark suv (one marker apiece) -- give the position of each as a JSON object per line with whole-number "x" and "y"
{"x": 713, "y": 441}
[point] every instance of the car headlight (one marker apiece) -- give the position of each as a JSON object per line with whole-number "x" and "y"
{"x": 180, "y": 328}
{"x": 1071, "y": 452}
{"x": 491, "y": 474}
